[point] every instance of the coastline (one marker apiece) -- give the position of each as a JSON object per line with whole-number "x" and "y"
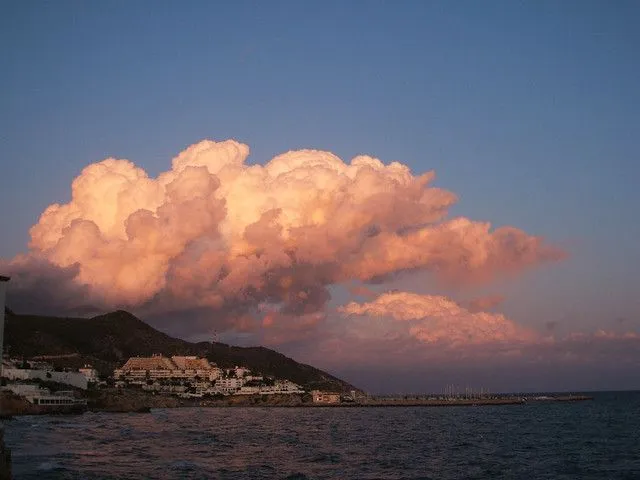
{"x": 132, "y": 401}
{"x": 12, "y": 405}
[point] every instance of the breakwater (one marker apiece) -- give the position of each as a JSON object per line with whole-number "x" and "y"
{"x": 118, "y": 400}
{"x": 459, "y": 401}
{"x": 136, "y": 401}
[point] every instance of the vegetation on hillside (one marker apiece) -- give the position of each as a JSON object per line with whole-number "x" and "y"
{"x": 107, "y": 341}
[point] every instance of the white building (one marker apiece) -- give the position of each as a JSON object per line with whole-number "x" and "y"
{"x": 90, "y": 373}
{"x": 249, "y": 390}
{"x": 241, "y": 371}
{"x": 43, "y": 396}
{"x": 287, "y": 386}
{"x": 228, "y": 385}
{"x": 192, "y": 367}
{"x": 282, "y": 387}
{"x": 325, "y": 397}
{"x": 141, "y": 369}
{"x": 194, "y": 376}
{"x": 74, "y": 379}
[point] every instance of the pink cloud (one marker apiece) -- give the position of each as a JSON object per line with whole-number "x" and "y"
{"x": 438, "y": 320}
{"x": 362, "y": 291}
{"x": 401, "y": 330}
{"x": 483, "y": 303}
{"x": 213, "y": 232}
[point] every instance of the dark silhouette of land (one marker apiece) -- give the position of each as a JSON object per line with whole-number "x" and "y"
{"x": 107, "y": 341}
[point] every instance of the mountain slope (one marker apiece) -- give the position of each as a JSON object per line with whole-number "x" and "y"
{"x": 107, "y": 341}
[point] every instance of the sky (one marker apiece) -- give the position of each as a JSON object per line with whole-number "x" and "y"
{"x": 407, "y": 194}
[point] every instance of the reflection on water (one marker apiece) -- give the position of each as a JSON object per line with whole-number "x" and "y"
{"x": 598, "y": 439}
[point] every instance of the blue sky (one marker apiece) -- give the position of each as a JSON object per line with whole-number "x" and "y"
{"x": 529, "y": 111}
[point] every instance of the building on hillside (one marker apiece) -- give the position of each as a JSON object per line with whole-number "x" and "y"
{"x": 228, "y": 386}
{"x": 193, "y": 366}
{"x": 241, "y": 371}
{"x": 319, "y": 396}
{"x": 249, "y": 390}
{"x": 43, "y": 396}
{"x": 195, "y": 377}
{"x": 156, "y": 366}
{"x": 75, "y": 379}
{"x": 191, "y": 363}
{"x": 90, "y": 373}
{"x": 40, "y": 365}
{"x": 283, "y": 387}
{"x": 286, "y": 386}
{"x": 139, "y": 370}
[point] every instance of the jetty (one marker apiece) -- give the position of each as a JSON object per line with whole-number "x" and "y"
{"x": 429, "y": 401}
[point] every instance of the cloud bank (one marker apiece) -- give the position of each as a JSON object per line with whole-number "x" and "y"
{"x": 438, "y": 320}
{"x": 404, "y": 342}
{"x": 216, "y": 244}
{"x": 214, "y": 232}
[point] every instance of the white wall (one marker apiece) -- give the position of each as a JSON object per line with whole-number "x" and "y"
{"x": 69, "y": 378}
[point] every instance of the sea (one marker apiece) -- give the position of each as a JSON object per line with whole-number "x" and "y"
{"x": 595, "y": 439}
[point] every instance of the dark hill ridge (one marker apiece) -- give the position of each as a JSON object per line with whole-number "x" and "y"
{"x": 107, "y": 341}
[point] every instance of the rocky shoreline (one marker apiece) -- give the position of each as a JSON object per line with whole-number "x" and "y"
{"x": 118, "y": 400}
{"x": 131, "y": 401}
{"x": 12, "y": 405}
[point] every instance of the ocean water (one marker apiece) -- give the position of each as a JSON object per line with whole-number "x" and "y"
{"x": 597, "y": 439}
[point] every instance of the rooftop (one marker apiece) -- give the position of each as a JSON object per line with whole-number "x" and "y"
{"x": 191, "y": 363}
{"x": 165, "y": 363}
{"x": 149, "y": 363}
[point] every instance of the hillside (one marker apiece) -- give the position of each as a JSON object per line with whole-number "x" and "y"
{"x": 107, "y": 341}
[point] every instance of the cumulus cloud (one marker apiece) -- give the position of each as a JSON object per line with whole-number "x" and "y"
{"x": 362, "y": 291}
{"x": 38, "y": 286}
{"x": 214, "y": 232}
{"x": 426, "y": 340}
{"x": 486, "y": 302}
{"x": 436, "y": 319}
{"x": 280, "y": 328}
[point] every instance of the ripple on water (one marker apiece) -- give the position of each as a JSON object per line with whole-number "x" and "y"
{"x": 49, "y": 466}
{"x": 588, "y": 440}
